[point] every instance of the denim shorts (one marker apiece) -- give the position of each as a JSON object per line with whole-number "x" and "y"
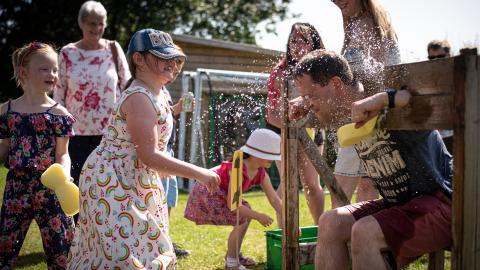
{"x": 348, "y": 163}
{"x": 170, "y": 186}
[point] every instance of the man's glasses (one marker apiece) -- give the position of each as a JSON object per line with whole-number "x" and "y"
{"x": 431, "y": 57}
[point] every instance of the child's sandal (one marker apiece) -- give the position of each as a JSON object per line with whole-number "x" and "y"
{"x": 245, "y": 260}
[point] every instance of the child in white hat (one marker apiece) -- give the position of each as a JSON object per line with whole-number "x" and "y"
{"x": 203, "y": 207}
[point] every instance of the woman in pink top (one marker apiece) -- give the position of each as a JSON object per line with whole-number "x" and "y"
{"x": 90, "y": 81}
{"x": 303, "y": 39}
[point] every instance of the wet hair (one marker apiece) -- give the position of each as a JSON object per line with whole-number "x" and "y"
{"x": 381, "y": 19}
{"x": 322, "y": 66}
{"x": 439, "y": 44}
{"x": 307, "y": 30}
{"x": 92, "y": 8}
{"x": 21, "y": 57}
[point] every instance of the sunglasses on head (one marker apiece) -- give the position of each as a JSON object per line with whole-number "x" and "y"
{"x": 431, "y": 57}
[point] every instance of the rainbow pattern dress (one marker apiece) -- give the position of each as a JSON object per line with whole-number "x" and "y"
{"x": 123, "y": 219}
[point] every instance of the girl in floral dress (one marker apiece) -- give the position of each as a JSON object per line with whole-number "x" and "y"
{"x": 123, "y": 221}
{"x": 34, "y": 133}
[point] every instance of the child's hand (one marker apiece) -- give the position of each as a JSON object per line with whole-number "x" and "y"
{"x": 209, "y": 179}
{"x": 264, "y": 219}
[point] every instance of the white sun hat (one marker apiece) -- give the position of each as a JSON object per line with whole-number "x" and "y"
{"x": 263, "y": 143}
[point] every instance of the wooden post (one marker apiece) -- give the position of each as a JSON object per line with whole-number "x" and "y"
{"x": 321, "y": 167}
{"x": 466, "y": 200}
{"x": 290, "y": 259}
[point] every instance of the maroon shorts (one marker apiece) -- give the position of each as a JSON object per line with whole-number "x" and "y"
{"x": 420, "y": 226}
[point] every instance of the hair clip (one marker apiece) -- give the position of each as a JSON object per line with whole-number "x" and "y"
{"x": 33, "y": 46}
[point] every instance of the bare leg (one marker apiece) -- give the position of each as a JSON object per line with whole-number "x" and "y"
{"x": 334, "y": 229}
{"x": 236, "y": 235}
{"x": 311, "y": 185}
{"x": 366, "y": 257}
{"x": 366, "y": 190}
{"x": 348, "y": 185}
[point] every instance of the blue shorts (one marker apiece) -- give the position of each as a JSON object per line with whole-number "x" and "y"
{"x": 170, "y": 186}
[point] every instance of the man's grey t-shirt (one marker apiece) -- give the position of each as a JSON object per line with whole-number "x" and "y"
{"x": 405, "y": 164}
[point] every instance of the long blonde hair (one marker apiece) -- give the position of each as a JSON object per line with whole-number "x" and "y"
{"x": 381, "y": 19}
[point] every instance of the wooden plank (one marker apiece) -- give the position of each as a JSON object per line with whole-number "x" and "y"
{"x": 290, "y": 249}
{"x": 322, "y": 167}
{"x": 422, "y": 78}
{"x": 189, "y": 48}
{"x": 249, "y": 68}
{"x": 471, "y": 190}
{"x": 458, "y": 163}
{"x": 423, "y": 113}
{"x": 436, "y": 260}
{"x": 238, "y": 59}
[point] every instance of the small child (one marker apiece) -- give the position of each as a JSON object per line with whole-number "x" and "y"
{"x": 203, "y": 207}
{"x": 34, "y": 133}
{"x": 123, "y": 218}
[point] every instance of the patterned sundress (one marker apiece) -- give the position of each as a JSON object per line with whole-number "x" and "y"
{"x": 123, "y": 222}
{"x": 204, "y": 207}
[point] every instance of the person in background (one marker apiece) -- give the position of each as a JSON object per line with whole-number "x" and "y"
{"x": 123, "y": 218}
{"x": 303, "y": 38}
{"x": 92, "y": 73}
{"x": 414, "y": 178}
{"x": 441, "y": 49}
{"x": 370, "y": 43}
{"x": 170, "y": 184}
{"x": 34, "y": 134}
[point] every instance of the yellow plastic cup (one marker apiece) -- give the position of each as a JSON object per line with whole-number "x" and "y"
{"x": 349, "y": 135}
{"x": 67, "y": 192}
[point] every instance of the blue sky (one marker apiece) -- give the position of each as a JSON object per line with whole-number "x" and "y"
{"x": 416, "y": 23}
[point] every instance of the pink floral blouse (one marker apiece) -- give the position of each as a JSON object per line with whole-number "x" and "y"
{"x": 89, "y": 86}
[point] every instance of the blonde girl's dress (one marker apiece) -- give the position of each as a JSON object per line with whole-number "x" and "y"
{"x": 123, "y": 222}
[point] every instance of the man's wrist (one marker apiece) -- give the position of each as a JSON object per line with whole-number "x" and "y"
{"x": 391, "y": 97}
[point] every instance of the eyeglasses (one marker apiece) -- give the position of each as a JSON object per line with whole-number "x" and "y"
{"x": 431, "y": 57}
{"x": 33, "y": 46}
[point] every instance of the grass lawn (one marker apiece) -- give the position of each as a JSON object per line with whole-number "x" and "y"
{"x": 206, "y": 243}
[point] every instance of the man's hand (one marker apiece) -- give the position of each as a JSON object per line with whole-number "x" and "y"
{"x": 365, "y": 109}
{"x": 298, "y": 107}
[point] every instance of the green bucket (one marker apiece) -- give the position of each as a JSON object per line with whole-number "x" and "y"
{"x": 274, "y": 247}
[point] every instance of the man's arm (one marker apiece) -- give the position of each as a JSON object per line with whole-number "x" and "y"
{"x": 365, "y": 109}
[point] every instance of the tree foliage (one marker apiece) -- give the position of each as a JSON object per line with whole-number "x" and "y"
{"x": 55, "y": 22}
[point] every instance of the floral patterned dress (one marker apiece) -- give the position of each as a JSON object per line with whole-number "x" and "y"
{"x": 31, "y": 151}
{"x": 90, "y": 85}
{"x": 123, "y": 220}
{"x": 204, "y": 207}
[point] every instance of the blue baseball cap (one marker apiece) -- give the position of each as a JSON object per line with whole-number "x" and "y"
{"x": 156, "y": 42}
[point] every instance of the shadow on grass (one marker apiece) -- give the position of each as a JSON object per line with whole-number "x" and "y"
{"x": 31, "y": 259}
{"x": 260, "y": 266}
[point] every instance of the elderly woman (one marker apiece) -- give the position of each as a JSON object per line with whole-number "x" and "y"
{"x": 92, "y": 72}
